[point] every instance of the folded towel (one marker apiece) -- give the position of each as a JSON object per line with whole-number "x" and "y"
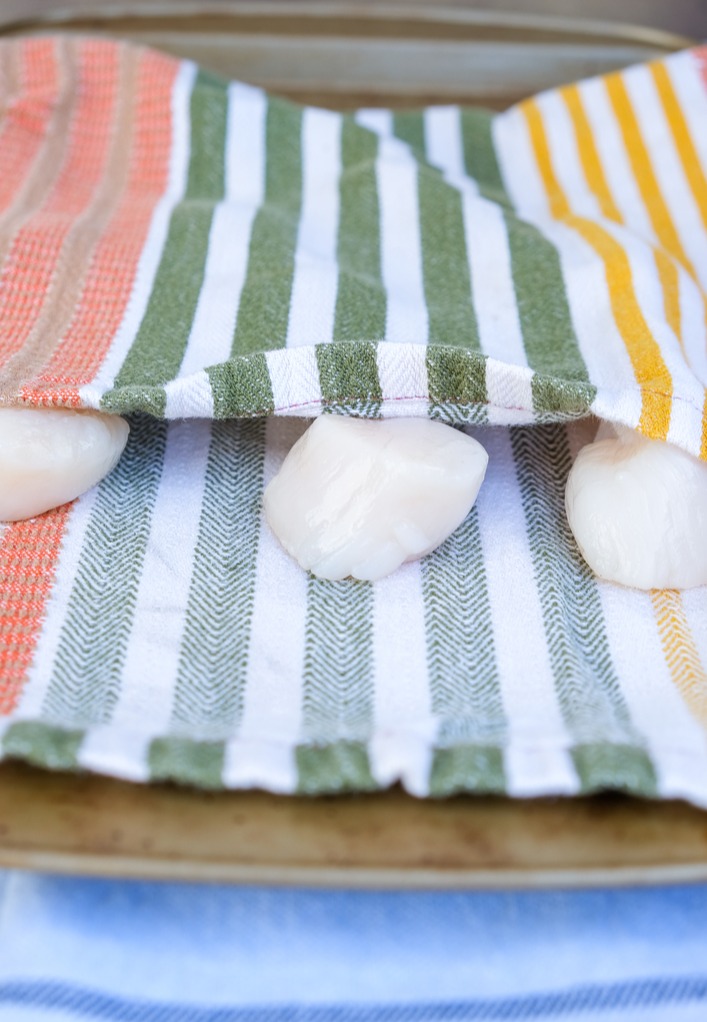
{"x": 190, "y": 251}
{"x": 77, "y": 949}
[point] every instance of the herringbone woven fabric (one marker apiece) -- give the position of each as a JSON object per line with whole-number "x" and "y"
{"x": 211, "y": 262}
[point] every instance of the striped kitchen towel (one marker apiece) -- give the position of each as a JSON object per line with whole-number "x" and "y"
{"x": 84, "y": 949}
{"x": 213, "y": 263}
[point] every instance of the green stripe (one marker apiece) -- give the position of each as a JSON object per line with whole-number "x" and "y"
{"x": 361, "y": 299}
{"x": 461, "y": 662}
{"x": 348, "y": 376}
{"x": 447, "y": 279}
{"x": 43, "y": 745}
{"x": 335, "y": 767}
{"x": 158, "y": 349}
{"x": 186, "y": 761}
{"x": 241, "y": 387}
{"x": 608, "y": 749}
{"x": 86, "y": 675}
{"x": 338, "y": 686}
{"x": 548, "y": 334}
{"x": 467, "y": 768}
{"x": 456, "y": 380}
{"x": 409, "y": 127}
{"x": 480, "y": 156}
{"x": 549, "y": 339}
{"x": 210, "y": 686}
{"x": 265, "y": 302}
{"x": 445, "y": 263}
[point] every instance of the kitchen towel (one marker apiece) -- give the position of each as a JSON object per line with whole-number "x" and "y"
{"x": 219, "y": 265}
{"x": 76, "y": 949}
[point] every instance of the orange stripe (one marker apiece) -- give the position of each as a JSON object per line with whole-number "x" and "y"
{"x": 32, "y": 263}
{"x": 644, "y": 352}
{"x": 27, "y": 113}
{"x": 29, "y": 553}
{"x": 700, "y": 55}
{"x": 78, "y": 357}
{"x": 63, "y": 297}
{"x": 681, "y": 654}
{"x": 51, "y": 135}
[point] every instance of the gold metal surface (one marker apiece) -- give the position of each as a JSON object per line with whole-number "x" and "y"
{"x": 343, "y": 54}
{"x": 93, "y": 825}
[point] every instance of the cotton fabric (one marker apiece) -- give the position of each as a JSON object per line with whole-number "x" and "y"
{"x": 220, "y": 265}
{"x": 77, "y": 949}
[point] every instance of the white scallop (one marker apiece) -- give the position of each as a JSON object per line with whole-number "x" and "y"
{"x": 49, "y": 456}
{"x": 358, "y": 497}
{"x": 638, "y": 511}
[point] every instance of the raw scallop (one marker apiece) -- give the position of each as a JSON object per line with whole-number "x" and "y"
{"x": 49, "y": 456}
{"x": 359, "y": 496}
{"x": 638, "y": 511}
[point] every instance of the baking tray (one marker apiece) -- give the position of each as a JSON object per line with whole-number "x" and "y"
{"x": 346, "y": 55}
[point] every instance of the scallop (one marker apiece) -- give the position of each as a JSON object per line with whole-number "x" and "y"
{"x": 359, "y": 497}
{"x": 638, "y": 511}
{"x": 49, "y": 456}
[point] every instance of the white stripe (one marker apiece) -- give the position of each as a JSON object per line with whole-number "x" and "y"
{"x": 536, "y": 757}
{"x": 611, "y": 150}
{"x": 402, "y": 374}
{"x": 151, "y": 254}
{"x": 404, "y": 728}
{"x": 189, "y": 397}
{"x": 262, "y": 754}
{"x": 57, "y": 607}
{"x": 694, "y": 603}
{"x": 667, "y": 166}
{"x": 676, "y": 742}
{"x": 211, "y": 335}
{"x": 377, "y": 120}
{"x": 510, "y": 393}
{"x": 314, "y": 286}
{"x": 500, "y": 333}
{"x": 566, "y": 161}
{"x": 401, "y": 251}
{"x": 691, "y": 89}
{"x": 694, "y": 328}
{"x": 151, "y": 663}
{"x": 443, "y": 143}
{"x": 519, "y": 171}
{"x": 295, "y": 382}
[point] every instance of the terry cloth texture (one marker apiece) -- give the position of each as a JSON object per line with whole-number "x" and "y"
{"x": 200, "y": 256}
{"x": 88, "y": 950}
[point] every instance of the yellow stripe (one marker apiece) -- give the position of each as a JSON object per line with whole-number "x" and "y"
{"x": 692, "y": 168}
{"x": 588, "y": 154}
{"x": 681, "y": 136}
{"x": 670, "y": 286}
{"x": 646, "y": 180}
{"x": 644, "y": 351}
{"x": 596, "y": 179}
{"x": 655, "y": 204}
{"x": 681, "y": 654}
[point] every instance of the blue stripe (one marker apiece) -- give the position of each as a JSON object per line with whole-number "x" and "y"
{"x": 90, "y": 1004}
